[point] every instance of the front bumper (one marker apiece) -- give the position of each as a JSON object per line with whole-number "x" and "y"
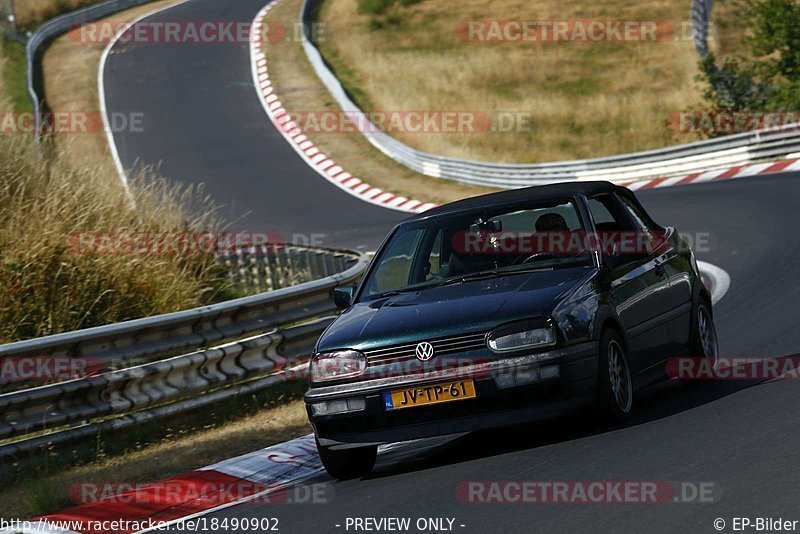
{"x": 508, "y": 391}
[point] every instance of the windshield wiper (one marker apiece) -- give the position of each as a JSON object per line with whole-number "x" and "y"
{"x": 493, "y": 273}
{"x": 427, "y": 285}
{"x": 469, "y": 277}
{"x": 392, "y": 293}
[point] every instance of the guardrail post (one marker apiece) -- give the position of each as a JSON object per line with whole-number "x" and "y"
{"x": 330, "y": 265}
{"x": 272, "y": 267}
{"x": 285, "y": 271}
{"x": 319, "y": 264}
{"x": 339, "y": 261}
{"x": 304, "y": 262}
{"x": 261, "y": 272}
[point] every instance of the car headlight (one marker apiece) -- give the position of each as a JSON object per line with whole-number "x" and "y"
{"x": 523, "y": 335}
{"x": 337, "y": 365}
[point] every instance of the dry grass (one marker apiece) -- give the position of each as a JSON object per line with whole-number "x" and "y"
{"x": 31, "y": 13}
{"x": 4, "y": 96}
{"x": 175, "y": 454}
{"x": 586, "y": 99}
{"x": 729, "y": 20}
{"x": 48, "y": 287}
{"x": 300, "y": 90}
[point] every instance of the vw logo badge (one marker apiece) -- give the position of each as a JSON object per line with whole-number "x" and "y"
{"x": 424, "y": 351}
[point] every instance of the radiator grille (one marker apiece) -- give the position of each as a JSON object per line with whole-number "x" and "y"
{"x": 441, "y": 347}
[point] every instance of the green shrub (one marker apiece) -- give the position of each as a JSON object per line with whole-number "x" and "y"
{"x": 769, "y": 79}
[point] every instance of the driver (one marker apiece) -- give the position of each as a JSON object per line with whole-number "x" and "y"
{"x": 551, "y": 222}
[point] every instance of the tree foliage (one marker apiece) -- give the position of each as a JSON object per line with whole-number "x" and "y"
{"x": 769, "y": 79}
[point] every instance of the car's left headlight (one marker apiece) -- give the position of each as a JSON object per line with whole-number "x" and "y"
{"x": 523, "y": 335}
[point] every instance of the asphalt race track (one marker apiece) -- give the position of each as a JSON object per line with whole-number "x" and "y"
{"x": 740, "y": 436}
{"x": 203, "y": 123}
{"x": 206, "y": 124}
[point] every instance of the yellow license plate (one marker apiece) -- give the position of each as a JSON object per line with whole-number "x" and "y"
{"x": 432, "y": 394}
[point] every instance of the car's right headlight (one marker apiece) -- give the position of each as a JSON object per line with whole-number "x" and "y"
{"x": 530, "y": 334}
{"x": 337, "y": 365}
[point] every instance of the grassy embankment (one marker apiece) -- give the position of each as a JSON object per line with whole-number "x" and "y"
{"x": 49, "y": 287}
{"x": 586, "y": 99}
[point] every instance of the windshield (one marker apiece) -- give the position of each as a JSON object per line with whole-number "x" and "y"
{"x": 482, "y": 243}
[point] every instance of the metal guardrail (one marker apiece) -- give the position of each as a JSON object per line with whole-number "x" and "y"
{"x": 220, "y": 365}
{"x": 181, "y": 361}
{"x": 701, "y": 14}
{"x": 55, "y": 27}
{"x": 268, "y": 267}
{"x": 734, "y": 150}
{"x": 152, "y": 337}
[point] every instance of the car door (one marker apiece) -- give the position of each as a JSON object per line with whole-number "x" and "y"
{"x": 676, "y": 266}
{"x": 637, "y": 282}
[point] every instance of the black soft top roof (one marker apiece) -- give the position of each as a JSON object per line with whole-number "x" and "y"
{"x": 527, "y": 194}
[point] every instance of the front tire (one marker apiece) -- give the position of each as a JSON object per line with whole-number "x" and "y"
{"x": 614, "y": 386}
{"x": 346, "y": 464}
{"x": 704, "y": 335}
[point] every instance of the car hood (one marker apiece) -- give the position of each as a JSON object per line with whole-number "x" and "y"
{"x": 469, "y": 307}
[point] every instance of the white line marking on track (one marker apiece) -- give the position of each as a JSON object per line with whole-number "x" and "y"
{"x": 101, "y": 95}
{"x": 721, "y": 280}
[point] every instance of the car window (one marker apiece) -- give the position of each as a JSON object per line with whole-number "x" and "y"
{"x": 435, "y": 257}
{"x": 637, "y": 216}
{"x": 394, "y": 269}
{"x": 525, "y": 220}
{"x": 622, "y": 230}
{"x": 491, "y": 239}
{"x": 607, "y": 216}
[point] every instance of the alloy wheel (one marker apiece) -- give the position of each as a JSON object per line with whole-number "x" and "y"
{"x": 619, "y": 376}
{"x": 708, "y": 336}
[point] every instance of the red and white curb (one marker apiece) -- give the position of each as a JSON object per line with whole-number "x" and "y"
{"x": 787, "y": 165}
{"x": 257, "y": 475}
{"x": 335, "y": 174}
{"x": 265, "y": 476}
{"x": 304, "y": 146}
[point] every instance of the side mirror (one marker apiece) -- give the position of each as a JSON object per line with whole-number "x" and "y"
{"x": 343, "y": 296}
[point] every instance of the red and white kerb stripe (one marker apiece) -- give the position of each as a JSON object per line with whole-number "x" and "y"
{"x": 304, "y": 146}
{"x": 787, "y": 165}
{"x": 266, "y": 476}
